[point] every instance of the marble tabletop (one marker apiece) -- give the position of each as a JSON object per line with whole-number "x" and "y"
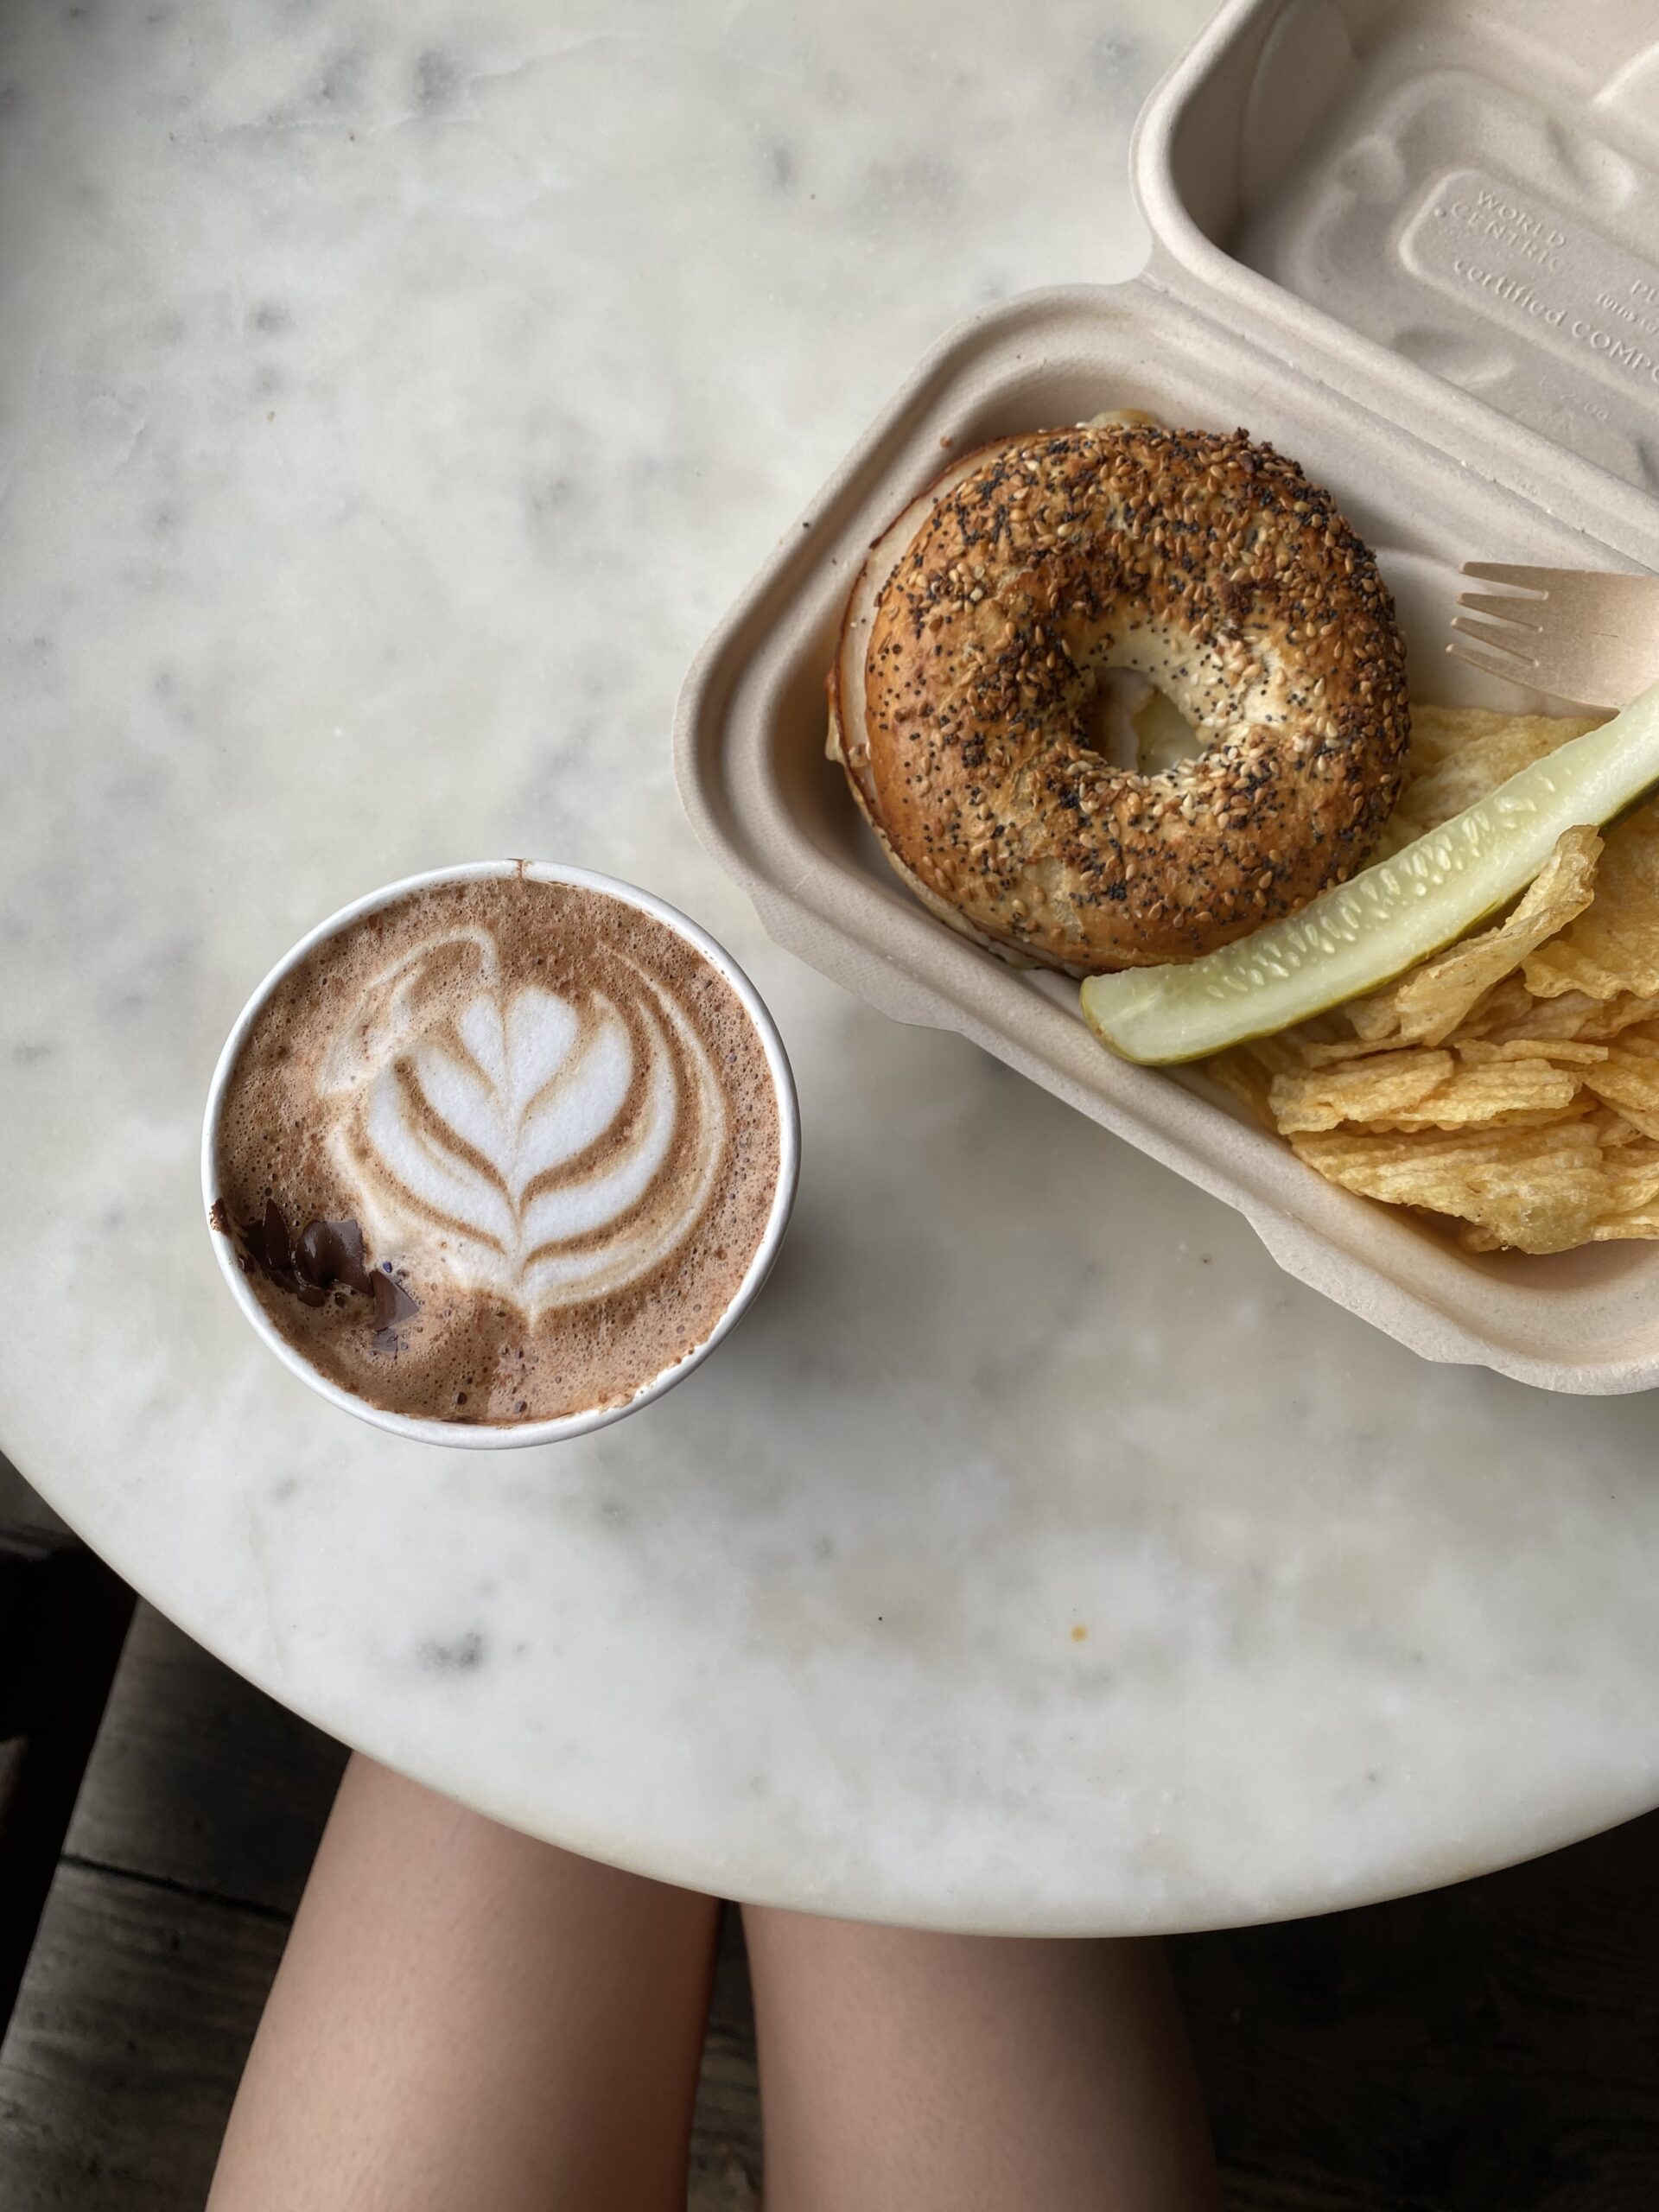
{"x": 393, "y": 399}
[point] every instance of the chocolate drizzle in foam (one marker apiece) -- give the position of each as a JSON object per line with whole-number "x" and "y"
{"x": 548, "y": 1114}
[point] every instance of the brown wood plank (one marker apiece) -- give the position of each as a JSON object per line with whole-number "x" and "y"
{"x": 134, "y": 2020}
{"x": 1489, "y": 2048}
{"x": 200, "y": 1779}
{"x": 63, "y": 1620}
{"x": 723, "y": 2187}
{"x": 20, "y": 1506}
{"x": 726, "y": 2131}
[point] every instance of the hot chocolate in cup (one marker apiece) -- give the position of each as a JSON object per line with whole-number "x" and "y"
{"x": 499, "y": 1153}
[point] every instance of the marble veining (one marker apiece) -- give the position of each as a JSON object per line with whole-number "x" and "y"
{"x": 390, "y": 402}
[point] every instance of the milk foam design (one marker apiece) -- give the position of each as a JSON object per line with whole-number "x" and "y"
{"x": 545, "y": 1146}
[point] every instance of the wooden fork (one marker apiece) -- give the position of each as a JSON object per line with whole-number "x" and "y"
{"x": 1579, "y": 633}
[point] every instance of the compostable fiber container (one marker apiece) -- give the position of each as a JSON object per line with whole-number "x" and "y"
{"x": 1409, "y": 243}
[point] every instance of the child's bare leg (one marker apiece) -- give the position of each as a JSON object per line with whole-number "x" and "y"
{"x": 916, "y": 2073}
{"x": 466, "y": 2017}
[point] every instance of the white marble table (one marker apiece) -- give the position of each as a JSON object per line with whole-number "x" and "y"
{"x": 393, "y": 399}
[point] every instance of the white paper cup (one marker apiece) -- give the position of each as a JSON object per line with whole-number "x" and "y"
{"x": 483, "y": 1436}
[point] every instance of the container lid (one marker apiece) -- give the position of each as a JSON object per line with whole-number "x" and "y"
{"x": 1467, "y": 189}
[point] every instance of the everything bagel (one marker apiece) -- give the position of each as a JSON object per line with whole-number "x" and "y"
{"x": 966, "y": 688}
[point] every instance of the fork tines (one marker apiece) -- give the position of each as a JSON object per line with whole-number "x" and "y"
{"x": 1511, "y": 573}
{"x": 1571, "y": 633}
{"x": 1515, "y": 642}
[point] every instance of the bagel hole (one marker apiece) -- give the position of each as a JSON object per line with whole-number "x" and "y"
{"x": 1134, "y": 726}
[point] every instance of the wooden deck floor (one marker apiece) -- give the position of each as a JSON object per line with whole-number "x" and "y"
{"x": 1491, "y": 2048}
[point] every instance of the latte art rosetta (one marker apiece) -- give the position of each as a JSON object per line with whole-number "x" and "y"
{"x": 548, "y": 1145}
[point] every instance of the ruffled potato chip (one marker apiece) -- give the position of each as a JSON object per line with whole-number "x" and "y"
{"x": 1334, "y": 1052}
{"x": 1612, "y": 1130}
{"x": 1240, "y": 1072}
{"x": 1248, "y": 1069}
{"x": 1639, "y": 1039}
{"x": 1511, "y": 1014}
{"x": 1629, "y": 1081}
{"x": 1512, "y": 1093}
{"x": 1614, "y": 946}
{"x": 1565, "y": 1052}
{"x": 1506, "y": 1010}
{"x": 1635, "y": 1211}
{"x": 1638, "y": 1221}
{"x": 1539, "y": 1189}
{"x": 1372, "y": 1089}
{"x": 1519, "y": 1117}
{"x": 1473, "y": 1237}
{"x": 1427, "y": 1005}
{"x": 1632, "y": 1172}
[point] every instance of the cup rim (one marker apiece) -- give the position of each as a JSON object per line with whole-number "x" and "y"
{"x": 503, "y": 1436}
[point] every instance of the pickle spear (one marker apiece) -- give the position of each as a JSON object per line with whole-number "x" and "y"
{"x": 1361, "y": 934}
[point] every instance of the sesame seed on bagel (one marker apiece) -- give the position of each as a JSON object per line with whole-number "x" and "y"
{"x": 967, "y": 683}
